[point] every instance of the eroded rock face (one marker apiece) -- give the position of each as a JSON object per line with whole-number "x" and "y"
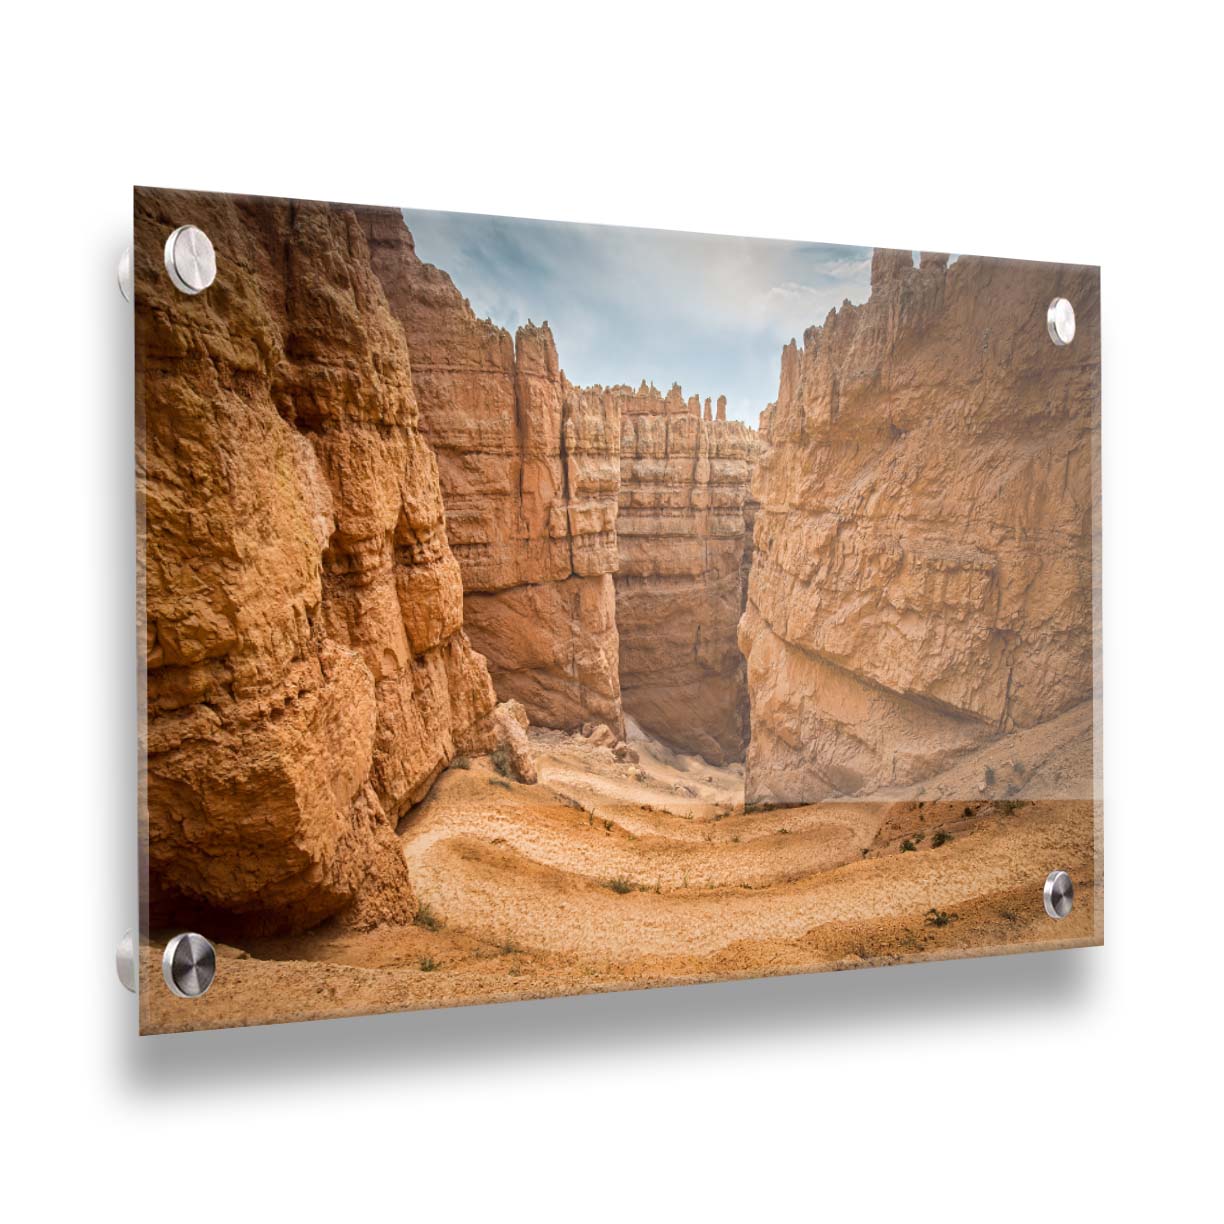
{"x": 529, "y": 470}
{"x": 682, "y": 530}
{"x": 308, "y": 674}
{"x": 922, "y": 579}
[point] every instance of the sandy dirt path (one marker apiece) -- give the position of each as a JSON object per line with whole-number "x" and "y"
{"x": 549, "y": 886}
{"x": 611, "y": 874}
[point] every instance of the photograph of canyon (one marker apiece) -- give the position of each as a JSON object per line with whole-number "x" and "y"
{"x": 534, "y": 609}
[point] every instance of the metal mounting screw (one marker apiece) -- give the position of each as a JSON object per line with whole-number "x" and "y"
{"x": 125, "y": 274}
{"x": 190, "y": 259}
{"x": 1060, "y": 321}
{"x": 125, "y": 961}
{"x": 1059, "y": 894}
{"x": 189, "y": 965}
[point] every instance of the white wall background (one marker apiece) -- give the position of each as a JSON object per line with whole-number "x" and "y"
{"x": 1085, "y": 1081}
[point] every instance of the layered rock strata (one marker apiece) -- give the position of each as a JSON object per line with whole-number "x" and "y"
{"x": 682, "y": 530}
{"x": 922, "y": 581}
{"x": 308, "y": 674}
{"x": 529, "y": 470}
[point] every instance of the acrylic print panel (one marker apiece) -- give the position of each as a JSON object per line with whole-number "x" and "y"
{"x": 484, "y": 662}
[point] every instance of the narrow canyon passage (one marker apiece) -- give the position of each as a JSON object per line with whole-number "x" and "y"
{"x": 683, "y": 529}
{"x": 600, "y": 531}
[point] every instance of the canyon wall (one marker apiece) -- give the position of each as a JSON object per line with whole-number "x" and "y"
{"x": 529, "y": 468}
{"x": 307, "y": 671}
{"x": 680, "y": 588}
{"x": 922, "y": 581}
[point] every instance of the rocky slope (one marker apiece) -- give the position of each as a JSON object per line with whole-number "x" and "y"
{"x": 529, "y": 471}
{"x": 922, "y": 582}
{"x": 308, "y": 675}
{"x": 682, "y": 530}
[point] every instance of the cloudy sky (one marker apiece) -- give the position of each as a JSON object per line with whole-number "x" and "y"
{"x": 710, "y": 313}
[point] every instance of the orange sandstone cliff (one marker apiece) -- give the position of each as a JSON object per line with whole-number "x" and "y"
{"x": 529, "y": 469}
{"x": 680, "y": 587}
{"x": 922, "y": 581}
{"x": 307, "y": 671}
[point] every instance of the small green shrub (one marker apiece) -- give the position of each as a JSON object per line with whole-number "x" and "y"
{"x": 428, "y": 964}
{"x": 425, "y": 917}
{"x": 501, "y": 761}
{"x": 620, "y": 885}
{"x": 940, "y": 838}
{"x": 907, "y": 845}
{"x": 939, "y": 918}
